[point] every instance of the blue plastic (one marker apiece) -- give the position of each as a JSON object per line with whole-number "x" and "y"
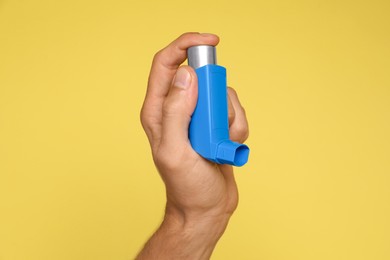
{"x": 209, "y": 127}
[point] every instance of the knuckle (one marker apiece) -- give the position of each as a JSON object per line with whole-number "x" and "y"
{"x": 158, "y": 56}
{"x": 187, "y": 35}
{"x": 232, "y": 91}
{"x": 144, "y": 118}
{"x": 245, "y": 136}
{"x": 148, "y": 123}
{"x": 243, "y": 111}
{"x": 231, "y": 115}
{"x": 242, "y": 132}
{"x": 167, "y": 161}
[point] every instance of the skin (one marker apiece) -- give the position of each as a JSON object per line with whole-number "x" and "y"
{"x": 201, "y": 196}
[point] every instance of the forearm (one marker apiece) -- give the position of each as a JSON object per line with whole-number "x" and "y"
{"x": 179, "y": 238}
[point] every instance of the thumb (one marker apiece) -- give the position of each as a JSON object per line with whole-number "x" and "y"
{"x": 178, "y": 107}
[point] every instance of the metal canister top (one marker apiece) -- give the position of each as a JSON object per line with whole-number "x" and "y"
{"x": 201, "y": 55}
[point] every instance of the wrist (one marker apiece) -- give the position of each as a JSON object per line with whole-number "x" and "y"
{"x": 207, "y": 226}
{"x": 199, "y": 231}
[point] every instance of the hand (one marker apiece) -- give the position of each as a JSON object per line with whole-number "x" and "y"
{"x": 201, "y": 195}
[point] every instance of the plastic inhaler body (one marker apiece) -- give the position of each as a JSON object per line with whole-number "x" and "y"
{"x": 209, "y": 126}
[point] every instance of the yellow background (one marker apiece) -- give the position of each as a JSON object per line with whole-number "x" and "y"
{"x": 76, "y": 176}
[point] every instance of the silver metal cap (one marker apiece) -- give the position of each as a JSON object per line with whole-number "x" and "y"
{"x": 201, "y": 55}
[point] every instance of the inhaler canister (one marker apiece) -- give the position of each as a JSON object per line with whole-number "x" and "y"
{"x": 209, "y": 126}
{"x": 201, "y": 55}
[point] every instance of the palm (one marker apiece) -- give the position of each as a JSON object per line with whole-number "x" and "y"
{"x": 197, "y": 184}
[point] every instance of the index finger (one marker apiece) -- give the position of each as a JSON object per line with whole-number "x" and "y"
{"x": 164, "y": 66}
{"x": 167, "y": 61}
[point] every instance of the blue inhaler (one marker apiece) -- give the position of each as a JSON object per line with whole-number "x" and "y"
{"x": 209, "y": 127}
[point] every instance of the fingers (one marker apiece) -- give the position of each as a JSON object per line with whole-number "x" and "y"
{"x": 165, "y": 64}
{"x": 238, "y": 124}
{"x": 177, "y": 109}
{"x": 231, "y": 112}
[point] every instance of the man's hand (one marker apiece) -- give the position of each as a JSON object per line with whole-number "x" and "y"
{"x": 201, "y": 195}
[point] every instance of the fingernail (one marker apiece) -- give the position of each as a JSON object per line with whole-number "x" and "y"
{"x": 182, "y": 79}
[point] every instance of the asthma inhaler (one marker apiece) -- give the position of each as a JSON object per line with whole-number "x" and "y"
{"x": 209, "y": 126}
